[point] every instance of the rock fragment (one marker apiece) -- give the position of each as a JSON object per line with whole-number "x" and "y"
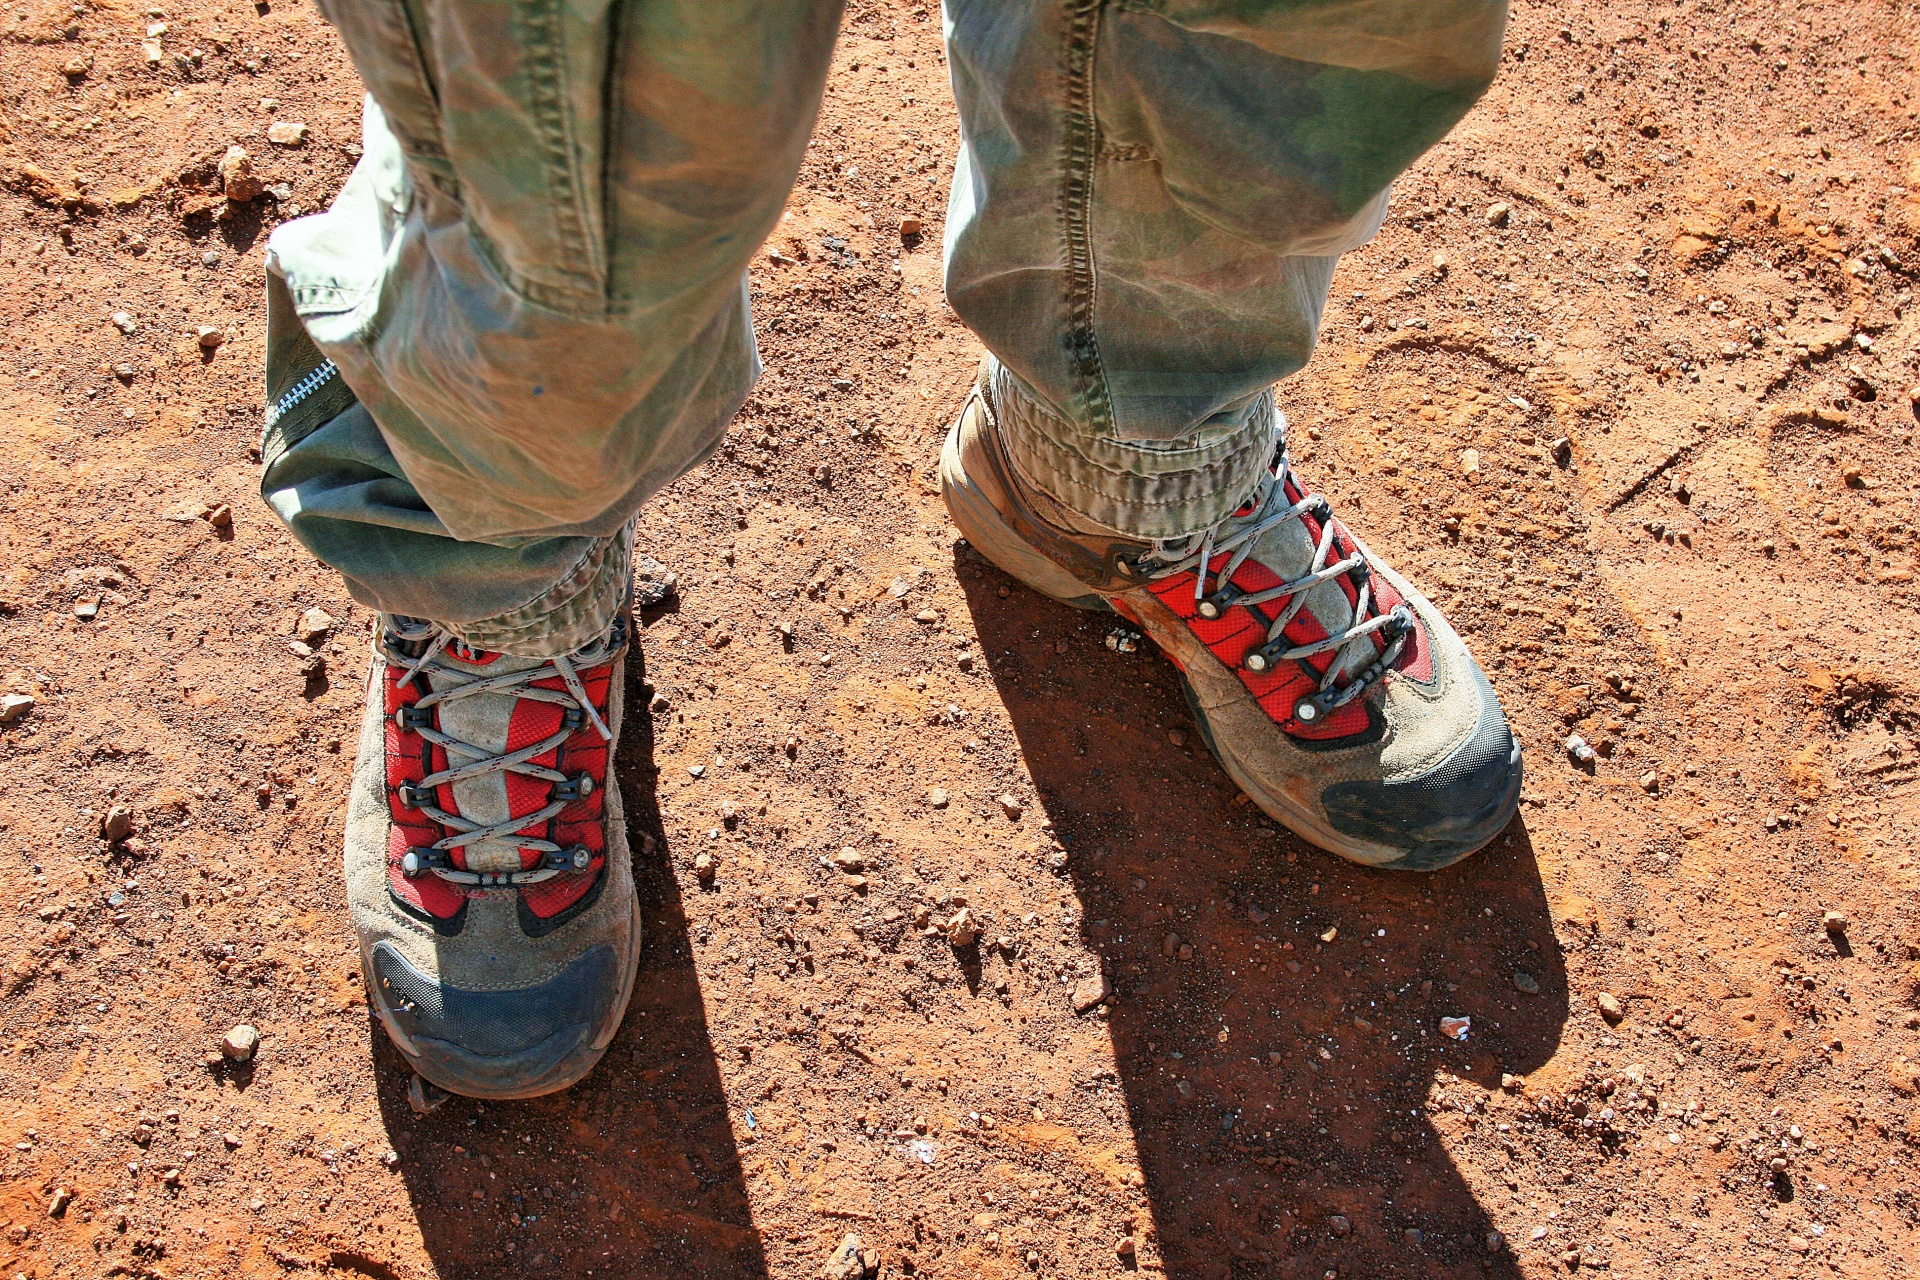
{"x": 118, "y": 824}
{"x": 1456, "y": 1028}
{"x": 910, "y": 226}
{"x": 936, "y": 798}
{"x": 1835, "y": 922}
{"x": 1526, "y": 984}
{"x": 849, "y": 860}
{"x": 850, "y": 1261}
{"x": 1011, "y": 807}
{"x": 313, "y": 626}
{"x": 1090, "y": 992}
{"x": 237, "y": 180}
{"x": 1499, "y": 214}
{"x": 1340, "y": 1225}
{"x": 286, "y": 133}
{"x": 15, "y": 706}
{"x": 703, "y": 866}
{"x": 1610, "y": 1007}
{"x": 209, "y": 336}
{"x": 124, "y": 322}
{"x": 240, "y": 1043}
{"x": 962, "y": 929}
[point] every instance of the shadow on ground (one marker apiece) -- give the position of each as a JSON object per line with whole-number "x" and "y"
{"x": 633, "y": 1171}
{"x": 1273, "y": 1089}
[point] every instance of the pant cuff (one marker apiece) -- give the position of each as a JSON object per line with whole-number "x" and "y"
{"x": 575, "y": 611}
{"x": 1139, "y": 488}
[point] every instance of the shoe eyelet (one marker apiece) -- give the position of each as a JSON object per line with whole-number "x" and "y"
{"x": 1215, "y": 604}
{"x": 1306, "y": 711}
{"x": 1263, "y": 658}
{"x": 409, "y": 718}
{"x": 578, "y": 787}
{"x": 410, "y": 796}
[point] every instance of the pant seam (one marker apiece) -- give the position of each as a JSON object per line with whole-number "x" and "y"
{"x": 545, "y": 97}
{"x": 1079, "y": 142}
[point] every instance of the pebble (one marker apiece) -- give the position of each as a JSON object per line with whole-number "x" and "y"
{"x": 15, "y": 707}
{"x": 1499, "y": 214}
{"x": 1562, "y": 450}
{"x": 937, "y": 798}
{"x": 118, "y": 824}
{"x": 209, "y": 336}
{"x": 1610, "y": 1007}
{"x": 850, "y": 860}
{"x": 1340, "y": 1225}
{"x": 390, "y": 1158}
{"x": 1526, "y": 984}
{"x": 1470, "y": 462}
{"x": 962, "y": 930}
{"x": 286, "y": 133}
{"x": 703, "y": 866}
{"x": 236, "y": 176}
{"x": 314, "y": 625}
{"x": 1496, "y": 1242}
{"x": 62, "y": 1197}
{"x": 1126, "y": 1248}
{"x": 926, "y": 615}
{"x": 86, "y": 610}
{"x": 1178, "y": 737}
{"x": 845, "y": 1262}
{"x": 1577, "y": 748}
{"x": 1835, "y": 921}
{"x": 1650, "y": 782}
{"x": 124, "y": 322}
{"x": 911, "y": 226}
{"x": 240, "y": 1044}
{"x": 1456, "y": 1028}
{"x": 220, "y": 516}
{"x": 1413, "y": 1236}
{"x": 1011, "y": 807}
{"x": 423, "y": 1095}
{"x": 1089, "y": 992}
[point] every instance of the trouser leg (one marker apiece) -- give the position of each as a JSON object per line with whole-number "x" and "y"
{"x": 1147, "y": 209}
{"x": 533, "y": 288}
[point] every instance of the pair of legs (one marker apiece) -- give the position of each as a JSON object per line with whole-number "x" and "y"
{"x": 527, "y": 312}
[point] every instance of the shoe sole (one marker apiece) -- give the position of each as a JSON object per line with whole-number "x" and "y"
{"x": 987, "y": 531}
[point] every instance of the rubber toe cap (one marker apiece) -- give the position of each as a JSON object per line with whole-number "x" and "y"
{"x": 1447, "y": 812}
{"x": 500, "y": 1044}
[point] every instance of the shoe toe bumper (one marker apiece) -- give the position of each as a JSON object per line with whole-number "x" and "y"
{"x": 1448, "y": 810}
{"x": 500, "y": 1044}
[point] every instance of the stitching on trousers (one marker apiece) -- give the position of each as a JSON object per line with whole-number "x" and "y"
{"x": 1079, "y": 137}
{"x": 547, "y": 99}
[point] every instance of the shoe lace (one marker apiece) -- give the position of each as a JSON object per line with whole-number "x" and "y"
{"x": 415, "y": 646}
{"x": 1236, "y": 537}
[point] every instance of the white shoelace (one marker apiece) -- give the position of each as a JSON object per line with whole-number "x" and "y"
{"x": 1240, "y": 535}
{"x": 448, "y": 683}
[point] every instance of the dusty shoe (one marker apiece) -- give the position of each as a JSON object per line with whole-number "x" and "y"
{"x": 487, "y": 865}
{"x": 1334, "y": 694}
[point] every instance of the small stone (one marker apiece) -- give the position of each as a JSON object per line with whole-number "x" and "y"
{"x": 850, "y": 860}
{"x": 1512, "y": 1083}
{"x": 1126, "y": 1248}
{"x": 15, "y": 706}
{"x": 124, "y": 322}
{"x": 962, "y": 929}
{"x": 152, "y": 52}
{"x": 1577, "y": 748}
{"x": 1470, "y": 462}
{"x": 240, "y": 1044}
{"x": 76, "y": 67}
{"x": 936, "y": 799}
{"x": 1610, "y": 1007}
{"x": 1499, "y": 214}
{"x": 286, "y": 133}
{"x": 390, "y": 1158}
{"x": 1413, "y": 1236}
{"x": 697, "y": 770}
{"x": 209, "y": 336}
{"x": 1330, "y": 933}
{"x": 1562, "y": 450}
{"x": 1439, "y": 263}
{"x": 911, "y": 226}
{"x": 1650, "y": 782}
{"x": 237, "y": 180}
{"x": 1496, "y": 1242}
{"x": 314, "y": 625}
{"x": 1799, "y": 1244}
{"x": 1011, "y": 807}
{"x": 1835, "y": 922}
{"x": 423, "y": 1095}
{"x": 845, "y": 1262}
{"x": 86, "y": 610}
{"x": 220, "y": 516}
{"x": 1178, "y": 737}
{"x": 1526, "y": 984}
{"x": 1456, "y": 1028}
{"x": 703, "y": 866}
{"x": 62, "y": 1197}
{"x": 926, "y": 615}
{"x": 1340, "y": 1225}
{"x": 1089, "y": 992}
{"x": 118, "y": 824}
{"x": 230, "y": 1140}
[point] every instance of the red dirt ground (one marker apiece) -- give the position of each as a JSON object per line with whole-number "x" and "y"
{"x": 1703, "y": 284}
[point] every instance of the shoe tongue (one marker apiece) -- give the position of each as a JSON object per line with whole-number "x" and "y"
{"x": 496, "y": 723}
{"x": 1287, "y": 550}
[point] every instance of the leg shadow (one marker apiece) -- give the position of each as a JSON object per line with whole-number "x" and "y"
{"x": 631, "y": 1172}
{"x": 1276, "y": 1010}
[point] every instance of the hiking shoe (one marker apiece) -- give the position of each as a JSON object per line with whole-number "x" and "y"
{"x": 1332, "y": 692}
{"x": 487, "y": 866}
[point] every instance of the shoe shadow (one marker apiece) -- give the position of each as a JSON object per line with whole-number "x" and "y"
{"x": 631, "y": 1172}
{"x": 1289, "y": 1096}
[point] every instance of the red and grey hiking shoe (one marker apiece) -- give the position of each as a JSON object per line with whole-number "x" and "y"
{"x": 487, "y": 865}
{"x": 1334, "y": 694}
